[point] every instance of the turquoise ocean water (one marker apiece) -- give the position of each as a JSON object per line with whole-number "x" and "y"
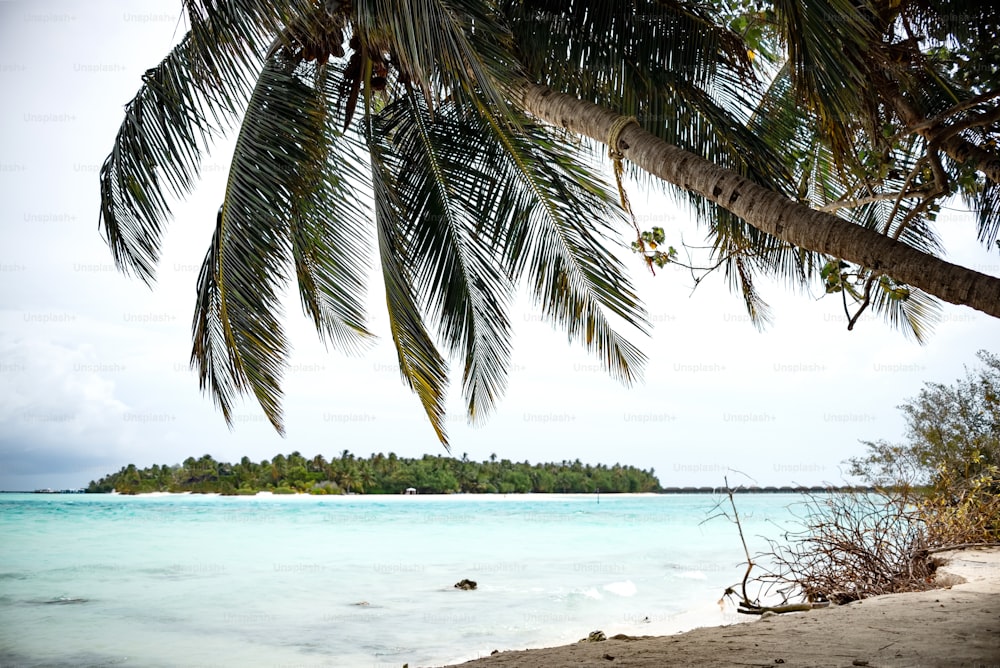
{"x": 283, "y": 581}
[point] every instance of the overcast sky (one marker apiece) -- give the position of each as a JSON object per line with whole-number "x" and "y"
{"x": 94, "y": 366}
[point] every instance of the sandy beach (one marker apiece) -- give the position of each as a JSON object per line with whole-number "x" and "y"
{"x": 954, "y": 626}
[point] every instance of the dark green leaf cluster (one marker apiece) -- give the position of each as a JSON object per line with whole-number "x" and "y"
{"x": 649, "y": 243}
{"x": 952, "y": 431}
{"x": 880, "y": 111}
{"x": 375, "y": 130}
{"x": 377, "y": 474}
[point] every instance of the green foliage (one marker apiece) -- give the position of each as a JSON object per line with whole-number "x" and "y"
{"x": 648, "y": 245}
{"x": 952, "y": 433}
{"x": 362, "y": 125}
{"x": 953, "y": 452}
{"x": 865, "y": 544}
{"x": 836, "y": 279}
{"x": 963, "y": 510}
{"x": 377, "y": 474}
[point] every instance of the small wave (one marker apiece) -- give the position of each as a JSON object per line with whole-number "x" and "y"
{"x": 626, "y": 588}
{"x": 83, "y": 659}
{"x": 62, "y": 600}
{"x": 693, "y": 575}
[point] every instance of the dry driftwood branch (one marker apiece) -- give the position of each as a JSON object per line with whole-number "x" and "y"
{"x": 960, "y": 546}
{"x": 791, "y": 607}
{"x": 746, "y": 606}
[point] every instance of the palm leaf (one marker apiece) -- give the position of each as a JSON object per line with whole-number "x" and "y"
{"x": 211, "y": 354}
{"x": 280, "y": 141}
{"x": 827, "y": 43}
{"x": 330, "y": 222}
{"x": 438, "y": 181}
{"x": 909, "y": 310}
{"x": 547, "y": 226}
{"x": 985, "y": 201}
{"x": 190, "y": 98}
{"x": 446, "y": 50}
{"x": 156, "y": 152}
{"x": 421, "y": 365}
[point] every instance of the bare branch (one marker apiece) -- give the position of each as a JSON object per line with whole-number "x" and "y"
{"x": 879, "y": 197}
{"x": 958, "y": 108}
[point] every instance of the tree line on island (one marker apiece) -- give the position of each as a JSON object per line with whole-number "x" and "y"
{"x": 377, "y": 474}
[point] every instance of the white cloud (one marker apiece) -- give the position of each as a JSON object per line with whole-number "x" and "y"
{"x": 82, "y": 342}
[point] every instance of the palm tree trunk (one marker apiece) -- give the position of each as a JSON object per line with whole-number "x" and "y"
{"x": 767, "y": 210}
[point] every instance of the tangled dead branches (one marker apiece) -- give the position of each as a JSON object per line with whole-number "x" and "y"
{"x": 857, "y": 544}
{"x": 852, "y": 546}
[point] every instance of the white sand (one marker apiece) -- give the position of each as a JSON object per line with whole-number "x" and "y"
{"x": 955, "y": 626}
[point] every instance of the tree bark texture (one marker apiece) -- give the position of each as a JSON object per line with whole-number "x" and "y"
{"x": 767, "y": 210}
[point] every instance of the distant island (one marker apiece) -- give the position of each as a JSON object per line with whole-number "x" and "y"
{"x": 377, "y": 474}
{"x": 389, "y": 474}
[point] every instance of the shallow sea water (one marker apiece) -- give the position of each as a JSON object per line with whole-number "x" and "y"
{"x": 367, "y": 581}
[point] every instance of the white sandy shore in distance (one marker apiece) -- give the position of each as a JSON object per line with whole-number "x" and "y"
{"x": 403, "y": 498}
{"x": 956, "y": 626}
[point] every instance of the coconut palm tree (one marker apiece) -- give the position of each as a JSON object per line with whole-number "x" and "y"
{"x": 470, "y": 198}
{"x": 430, "y": 112}
{"x": 317, "y": 464}
{"x": 366, "y": 477}
{"x": 850, "y": 101}
{"x": 837, "y": 106}
{"x": 406, "y": 105}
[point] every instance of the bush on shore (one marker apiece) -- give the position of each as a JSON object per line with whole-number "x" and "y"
{"x": 937, "y": 491}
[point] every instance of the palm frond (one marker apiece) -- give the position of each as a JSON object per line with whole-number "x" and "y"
{"x": 421, "y": 365}
{"x": 547, "y": 226}
{"x": 575, "y": 276}
{"x": 330, "y": 223}
{"x": 986, "y": 204}
{"x": 230, "y": 39}
{"x": 156, "y": 154}
{"x": 280, "y": 142}
{"x": 439, "y": 181}
{"x": 757, "y": 308}
{"x": 211, "y": 354}
{"x": 907, "y": 309}
{"x": 444, "y": 49}
{"x": 186, "y": 101}
{"x": 827, "y": 43}
{"x": 584, "y": 44}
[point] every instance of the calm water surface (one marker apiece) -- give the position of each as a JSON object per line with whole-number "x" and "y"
{"x": 188, "y": 580}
